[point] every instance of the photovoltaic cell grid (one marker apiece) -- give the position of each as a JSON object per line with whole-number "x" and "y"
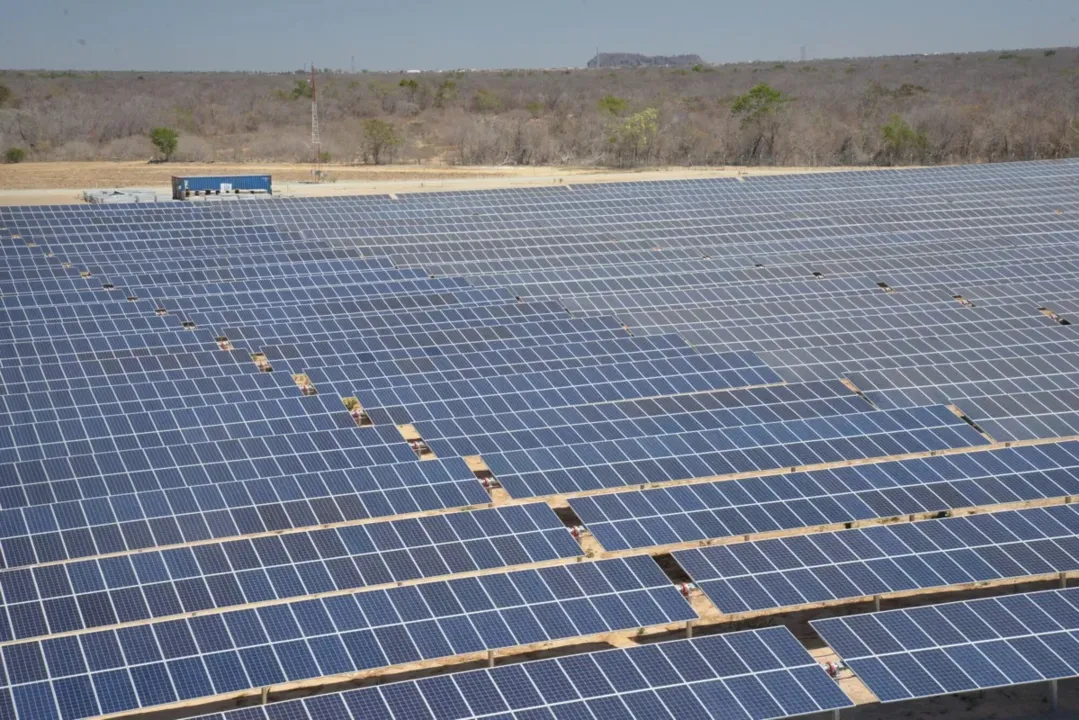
{"x": 700, "y": 454}
{"x": 960, "y": 646}
{"x": 425, "y": 306}
{"x": 145, "y": 665}
{"x": 617, "y": 381}
{"x": 172, "y": 512}
{"x": 750, "y": 506}
{"x": 99, "y": 592}
{"x": 754, "y": 674}
{"x": 849, "y": 564}
{"x": 638, "y": 418}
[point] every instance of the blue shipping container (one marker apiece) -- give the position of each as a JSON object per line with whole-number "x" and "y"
{"x": 183, "y": 187}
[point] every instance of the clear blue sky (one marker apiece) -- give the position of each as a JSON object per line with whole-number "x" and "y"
{"x": 444, "y": 34}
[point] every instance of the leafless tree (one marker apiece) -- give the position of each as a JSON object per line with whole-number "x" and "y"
{"x": 983, "y": 107}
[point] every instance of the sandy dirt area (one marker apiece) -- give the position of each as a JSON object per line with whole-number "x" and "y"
{"x": 63, "y": 182}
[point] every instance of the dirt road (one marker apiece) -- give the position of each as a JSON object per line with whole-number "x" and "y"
{"x": 63, "y": 182}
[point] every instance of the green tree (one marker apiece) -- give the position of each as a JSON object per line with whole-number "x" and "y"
{"x": 302, "y": 89}
{"x": 411, "y": 87}
{"x": 165, "y": 140}
{"x": 757, "y": 104}
{"x": 446, "y": 93}
{"x": 485, "y": 101}
{"x": 380, "y": 139}
{"x": 902, "y": 144}
{"x": 613, "y": 105}
{"x": 15, "y": 155}
{"x": 757, "y": 110}
{"x": 634, "y": 137}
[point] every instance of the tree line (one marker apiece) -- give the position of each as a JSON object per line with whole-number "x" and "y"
{"x": 980, "y": 107}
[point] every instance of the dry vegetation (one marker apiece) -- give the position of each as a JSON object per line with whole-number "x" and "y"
{"x": 981, "y": 107}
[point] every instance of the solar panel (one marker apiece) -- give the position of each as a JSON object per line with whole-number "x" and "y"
{"x": 702, "y": 454}
{"x": 161, "y": 662}
{"x": 878, "y": 560}
{"x": 750, "y": 674}
{"x": 97, "y": 592}
{"x": 960, "y": 646}
{"x": 805, "y": 500}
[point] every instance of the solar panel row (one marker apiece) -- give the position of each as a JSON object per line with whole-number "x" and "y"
{"x": 961, "y": 646}
{"x": 753, "y": 674}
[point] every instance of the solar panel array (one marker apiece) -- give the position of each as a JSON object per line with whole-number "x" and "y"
{"x": 962, "y": 646}
{"x": 288, "y": 440}
{"x": 750, "y": 674}
{"x": 858, "y": 563}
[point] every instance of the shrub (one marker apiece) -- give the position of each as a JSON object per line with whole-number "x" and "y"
{"x": 411, "y": 88}
{"x": 485, "y": 101}
{"x": 302, "y": 89}
{"x": 5, "y": 94}
{"x": 446, "y": 93}
{"x": 633, "y": 137}
{"x": 758, "y": 103}
{"x": 380, "y": 139}
{"x": 1049, "y": 53}
{"x": 15, "y": 155}
{"x": 902, "y": 143}
{"x": 613, "y": 105}
{"x": 165, "y": 140}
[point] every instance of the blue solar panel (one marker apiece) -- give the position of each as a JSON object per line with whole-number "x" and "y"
{"x": 166, "y": 661}
{"x": 962, "y": 646}
{"x": 752, "y": 674}
{"x": 883, "y": 559}
{"x": 177, "y": 430}
{"x": 734, "y": 508}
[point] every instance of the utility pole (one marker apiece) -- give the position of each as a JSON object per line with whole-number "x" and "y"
{"x": 803, "y": 53}
{"x": 316, "y": 142}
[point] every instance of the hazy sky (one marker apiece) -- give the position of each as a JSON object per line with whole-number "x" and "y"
{"x": 444, "y": 34}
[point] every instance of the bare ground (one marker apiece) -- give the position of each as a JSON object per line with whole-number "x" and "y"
{"x": 63, "y": 182}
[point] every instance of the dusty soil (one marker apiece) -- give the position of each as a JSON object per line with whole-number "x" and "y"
{"x": 82, "y": 175}
{"x": 63, "y": 182}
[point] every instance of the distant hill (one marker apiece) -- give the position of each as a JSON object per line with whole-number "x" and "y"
{"x": 611, "y": 60}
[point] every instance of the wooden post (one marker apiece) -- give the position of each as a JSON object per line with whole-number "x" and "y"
{"x": 1063, "y": 580}
{"x": 490, "y": 658}
{"x": 265, "y": 694}
{"x": 876, "y": 603}
{"x": 689, "y": 629}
